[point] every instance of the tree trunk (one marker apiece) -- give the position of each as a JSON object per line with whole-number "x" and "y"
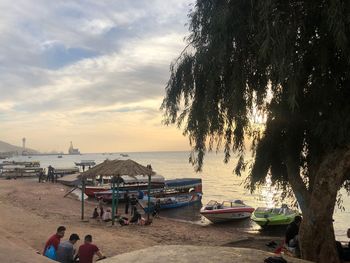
{"x": 317, "y": 240}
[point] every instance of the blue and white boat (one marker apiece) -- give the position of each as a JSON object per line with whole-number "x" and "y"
{"x": 176, "y": 193}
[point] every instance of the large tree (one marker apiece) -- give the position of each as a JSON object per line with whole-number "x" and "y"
{"x": 289, "y": 60}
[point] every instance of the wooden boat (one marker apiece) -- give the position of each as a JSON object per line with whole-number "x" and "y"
{"x": 165, "y": 190}
{"x": 176, "y": 193}
{"x": 86, "y": 163}
{"x": 128, "y": 183}
{"x": 226, "y": 211}
{"x": 24, "y": 164}
{"x": 62, "y": 171}
{"x": 171, "y": 201}
{"x": 14, "y": 169}
{"x": 265, "y": 216}
{"x": 91, "y": 190}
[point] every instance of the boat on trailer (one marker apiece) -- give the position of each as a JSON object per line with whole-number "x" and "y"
{"x": 265, "y": 216}
{"x": 226, "y": 211}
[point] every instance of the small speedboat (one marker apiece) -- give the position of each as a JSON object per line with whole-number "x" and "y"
{"x": 265, "y": 216}
{"x": 226, "y": 211}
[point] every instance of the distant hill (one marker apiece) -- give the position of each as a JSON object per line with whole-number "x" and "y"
{"x": 6, "y": 147}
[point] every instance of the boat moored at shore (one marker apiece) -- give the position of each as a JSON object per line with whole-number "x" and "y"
{"x": 226, "y": 211}
{"x": 265, "y": 216}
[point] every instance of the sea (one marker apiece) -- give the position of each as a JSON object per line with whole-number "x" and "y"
{"x": 219, "y": 183}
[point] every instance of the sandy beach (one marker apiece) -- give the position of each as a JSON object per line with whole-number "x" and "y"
{"x": 31, "y": 212}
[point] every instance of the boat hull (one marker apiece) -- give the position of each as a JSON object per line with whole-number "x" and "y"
{"x": 90, "y": 191}
{"x": 274, "y": 219}
{"x": 170, "y": 202}
{"x": 225, "y": 215}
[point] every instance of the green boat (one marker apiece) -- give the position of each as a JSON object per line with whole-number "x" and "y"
{"x": 264, "y": 216}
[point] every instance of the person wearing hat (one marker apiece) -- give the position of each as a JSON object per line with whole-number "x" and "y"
{"x": 66, "y": 251}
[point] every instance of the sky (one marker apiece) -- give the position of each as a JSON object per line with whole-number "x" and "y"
{"x": 91, "y": 72}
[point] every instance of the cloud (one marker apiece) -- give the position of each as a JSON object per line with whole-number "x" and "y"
{"x": 74, "y": 64}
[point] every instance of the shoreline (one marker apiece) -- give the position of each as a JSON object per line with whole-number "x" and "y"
{"x": 31, "y": 212}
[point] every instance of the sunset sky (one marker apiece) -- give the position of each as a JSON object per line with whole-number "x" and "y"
{"x": 91, "y": 72}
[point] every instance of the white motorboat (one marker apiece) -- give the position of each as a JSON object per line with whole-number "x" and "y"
{"x": 226, "y": 211}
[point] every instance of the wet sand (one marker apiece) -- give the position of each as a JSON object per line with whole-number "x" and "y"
{"x": 31, "y": 212}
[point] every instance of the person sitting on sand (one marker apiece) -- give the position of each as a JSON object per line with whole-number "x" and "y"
{"x": 292, "y": 236}
{"x": 87, "y": 251}
{"x": 95, "y": 214}
{"x": 107, "y": 216}
{"x": 292, "y": 233}
{"x": 344, "y": 251}
{"x": 123, "y": 221}
{"x": 54, "y": 241}
{"x": 66, "y": 251}
{"x": 136, "y": 217}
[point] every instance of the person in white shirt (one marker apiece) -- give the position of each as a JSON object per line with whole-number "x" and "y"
{"x": 107, "y": 216}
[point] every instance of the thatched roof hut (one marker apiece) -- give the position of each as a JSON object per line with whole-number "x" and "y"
{"x": 117, "y": 168}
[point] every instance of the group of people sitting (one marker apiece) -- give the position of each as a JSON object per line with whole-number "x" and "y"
{"x": 100, "y": 214}
{"x": 65, "y": 251}
{"x": 106, "y": 216}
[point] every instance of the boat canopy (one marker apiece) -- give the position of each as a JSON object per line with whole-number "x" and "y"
{"x": 142, "y": 179}
{"x": 183, "y": 182}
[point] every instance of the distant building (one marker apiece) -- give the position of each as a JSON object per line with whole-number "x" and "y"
{"x": 24, "y": 150}
{"x": 24, "y": 144}
{"x": 72, "y": 150}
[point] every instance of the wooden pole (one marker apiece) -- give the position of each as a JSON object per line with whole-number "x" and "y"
{"x": 149, "y": 197}
{"x": 82, "y": 197}
{"x": 70, "y": 191}
{"x": 113, "y": 200}
{"x": 118, "y": 180}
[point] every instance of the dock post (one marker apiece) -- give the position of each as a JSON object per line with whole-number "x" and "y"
{"x": 113, "y": 200}
{"x": 149, "y": 197}
{"x": 82, "y": 197}
{"x": 117, "y": 203}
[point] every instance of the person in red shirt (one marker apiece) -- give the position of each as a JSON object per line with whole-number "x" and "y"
{"x": 55, "y": 239}
{"x": 87, "y": 251}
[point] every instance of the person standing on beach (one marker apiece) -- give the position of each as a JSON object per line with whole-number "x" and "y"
{"x": 66, "y": 251}
{"x": 55, "y": 239}
{"x": 48, "y": 178}
{"x": 41, "y": 176}
{"x": 156, "y": 208}
{"x": 100, "y": 205}
{"x": 133, "y": 203}
{"x": 50, "y": 174}
{"x": 88, "y": 250}
{"x": 126, "y": 200}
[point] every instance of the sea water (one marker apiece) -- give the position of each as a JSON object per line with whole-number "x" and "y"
{"x": 219, "y": 182}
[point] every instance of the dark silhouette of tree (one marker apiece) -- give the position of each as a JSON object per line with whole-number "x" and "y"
{"x": 289, "y": 60}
